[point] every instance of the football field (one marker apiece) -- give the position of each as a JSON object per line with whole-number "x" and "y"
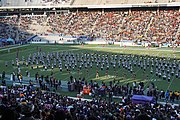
{"x": 118, "y": 74}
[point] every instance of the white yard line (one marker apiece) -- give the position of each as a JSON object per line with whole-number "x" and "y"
{"x": 149, "y": 80}
{"x": 170, "y": 84}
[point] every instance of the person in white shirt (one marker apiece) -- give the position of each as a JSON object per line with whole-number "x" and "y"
{"x": 11, "y": 78}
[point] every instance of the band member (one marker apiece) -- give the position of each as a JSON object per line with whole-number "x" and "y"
{"x": 12, "y": 62}
{"x": 134, "y": 76}
{"x": 151, "y": 70}
{"x": 78, "y": 71}
{"x": 106, "y": 72}
{"x": 97, "y": 74}
{"x": 169, "y": 77}
{"x": 87, "y": 72}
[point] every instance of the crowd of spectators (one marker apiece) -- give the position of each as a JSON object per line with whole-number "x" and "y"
{"x": 115, "y": 89}
{"x": 149, "y": 25}
{"x": 21, "y": 28}
{"x": 119, "y": 25}
{"x": 15, "y": 28}
{"x": 29, "y": 103}
{"x": 164, "y": 26}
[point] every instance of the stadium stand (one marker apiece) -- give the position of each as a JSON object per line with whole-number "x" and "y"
{"x": 165, "y": 26}
{"x": 119, "y": 25}
{"x": 14, "y": 27}
{"x": 27, "y": 103}
{"x": 113, "y": 25}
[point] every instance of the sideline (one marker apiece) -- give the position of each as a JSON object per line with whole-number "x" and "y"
{"x": 18, "y": 46}
{"x": 64, "y": 87}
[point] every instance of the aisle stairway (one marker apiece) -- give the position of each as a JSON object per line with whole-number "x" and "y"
{"x": 148, "y": 27}
{"x": 177, "y": 33}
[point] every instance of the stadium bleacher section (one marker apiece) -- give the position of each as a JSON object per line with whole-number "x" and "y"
{"x": 15, "y": 28}
{"x": 162, "y": 25}
{"x": 26, "y": 103}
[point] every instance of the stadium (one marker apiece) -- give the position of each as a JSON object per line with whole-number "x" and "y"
{"x": 89, "y": 59}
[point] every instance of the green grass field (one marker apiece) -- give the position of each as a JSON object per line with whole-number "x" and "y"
{"x": 174, "y": 84}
